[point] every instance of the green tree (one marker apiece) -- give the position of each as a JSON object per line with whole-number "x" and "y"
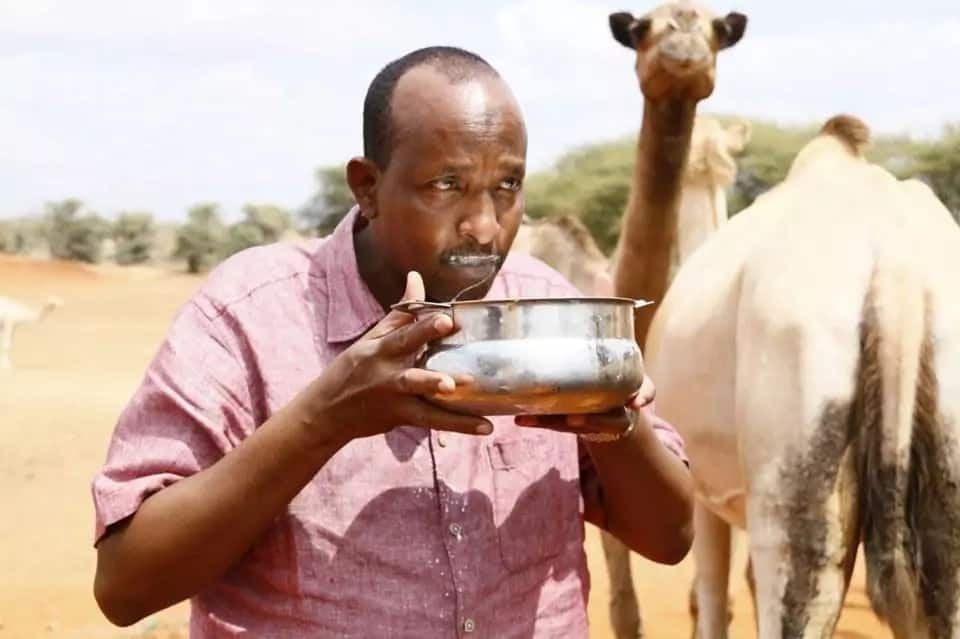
{"x": 261, "y": 224}
{"x": 72, "y": 236}
{"x": 938, "y": 165}
{"x": 134, "y": 234}
{"x": 333, "y": 199}
{"x": 22, "y": 235}
{"x": 201, "y": 240}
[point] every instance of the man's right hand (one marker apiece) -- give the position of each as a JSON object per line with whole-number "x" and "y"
{"x": 373, "y": 386}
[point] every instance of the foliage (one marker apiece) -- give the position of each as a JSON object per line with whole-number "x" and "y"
{"x": 72, "y": 236}
{"x": 262, "y": 224}
{"x": 22, "y": 235}
{"x": 134, "y": 234}
{"x": 201, "y": 240}
{"x": 333, "y": 199}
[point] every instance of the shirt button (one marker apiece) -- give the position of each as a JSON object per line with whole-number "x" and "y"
{"x": 441, "y": 442}
{"x": 469, "y": 625}
{"x": 456, "y": 530}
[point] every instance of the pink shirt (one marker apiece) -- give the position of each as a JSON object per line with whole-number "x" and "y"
{"x": 415, "y": 533}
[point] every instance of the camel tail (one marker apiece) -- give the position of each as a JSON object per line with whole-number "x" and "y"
{"x": 849, "y": 129}
{"x": 895, "y": 412}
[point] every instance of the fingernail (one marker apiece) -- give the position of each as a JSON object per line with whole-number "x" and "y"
{"x": 441, "y": 323}
{"x": 484, "y": 428}
{"x": 446, "y": 385}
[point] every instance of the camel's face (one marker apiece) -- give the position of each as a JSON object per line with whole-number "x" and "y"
{"x": 677, "y": 45}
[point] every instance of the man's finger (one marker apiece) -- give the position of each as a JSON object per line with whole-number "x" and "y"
{"x": 610, "y": 422}
{"x": 417, "y": 381}
{"x": 408, "y": 339}
{"x": 418, "y": 412}
{"x": 414, "y": 292}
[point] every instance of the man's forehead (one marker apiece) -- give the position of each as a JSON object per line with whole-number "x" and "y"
{"x": 427, "y": 95}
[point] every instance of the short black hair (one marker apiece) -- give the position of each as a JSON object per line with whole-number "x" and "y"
{"x": 457, "y": 64}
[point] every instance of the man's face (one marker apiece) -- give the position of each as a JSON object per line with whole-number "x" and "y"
{"x": 450, "y": 201}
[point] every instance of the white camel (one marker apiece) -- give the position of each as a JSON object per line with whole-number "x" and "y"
{"x": 809, "y": 353}
{"x": 13, "y": 313}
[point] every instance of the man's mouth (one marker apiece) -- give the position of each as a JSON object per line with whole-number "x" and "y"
{"x": 473, "y": 260}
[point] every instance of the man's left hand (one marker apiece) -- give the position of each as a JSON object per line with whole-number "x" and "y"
{"x": 613, "y": 422}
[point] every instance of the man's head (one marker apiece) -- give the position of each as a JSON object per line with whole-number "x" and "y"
{"x": 442, "y": 173}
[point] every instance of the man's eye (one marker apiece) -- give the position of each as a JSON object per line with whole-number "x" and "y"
{"x": 511, "y": 184}
{"x": 445, "y": 184}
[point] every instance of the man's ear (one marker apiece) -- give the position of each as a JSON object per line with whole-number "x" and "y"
{"x": 362, "y": 178}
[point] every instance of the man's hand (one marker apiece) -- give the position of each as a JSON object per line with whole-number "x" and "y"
{"x": 614, "y": 422}
{"x": 373, "y": 386}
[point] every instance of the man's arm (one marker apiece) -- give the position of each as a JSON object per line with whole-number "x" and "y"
{"x": 635, "y": 487}
{"x": 185, "y": 536}
{"x": 645, "y": 493}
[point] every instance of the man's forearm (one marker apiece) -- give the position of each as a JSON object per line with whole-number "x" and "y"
{"x": 648, "y": 494}
{"x": 186, "y": 536}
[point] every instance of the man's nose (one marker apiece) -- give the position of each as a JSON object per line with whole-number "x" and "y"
{"x": 480, "y": 222}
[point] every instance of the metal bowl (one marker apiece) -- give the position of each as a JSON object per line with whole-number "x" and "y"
{"x": 536, "y": 356}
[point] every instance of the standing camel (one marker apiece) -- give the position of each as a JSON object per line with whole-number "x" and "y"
{"x": 13, "y": 313}
{"x": 564, "y": 243}
{"x": 676, "y": 47}
{"x": 818, "y": 335}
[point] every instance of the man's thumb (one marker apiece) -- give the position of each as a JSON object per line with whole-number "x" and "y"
{"x": 414, "y": 292}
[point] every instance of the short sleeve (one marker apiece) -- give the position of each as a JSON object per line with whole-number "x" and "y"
{"x": 191, "y": 407}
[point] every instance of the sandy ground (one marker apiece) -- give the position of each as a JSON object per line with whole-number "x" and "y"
{"x": 73, "y": 373}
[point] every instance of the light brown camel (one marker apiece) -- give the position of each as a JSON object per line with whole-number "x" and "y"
{"x": 676, "y": 47}
{"x": 564, "y": 243}
{"x": 819, "y": 332}
{"x": 13, "y": 313}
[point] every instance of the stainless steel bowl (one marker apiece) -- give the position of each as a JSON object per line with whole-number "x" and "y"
{"x": 536, "y": 356}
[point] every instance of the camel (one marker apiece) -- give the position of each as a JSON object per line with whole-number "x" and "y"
{"x": 13, "y": 313}
{"x": 565, "y": 244}
{"x": 676, "y": 47}
{"x": 819, "y": 333}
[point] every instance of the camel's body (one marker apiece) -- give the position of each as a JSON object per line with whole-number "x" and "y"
{"x": 810, "y": 356}
{"x": 565, "y": 244}
{"x": 13, "y": 313}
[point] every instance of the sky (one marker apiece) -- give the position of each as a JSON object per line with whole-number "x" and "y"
{"x": 133, "y": 106}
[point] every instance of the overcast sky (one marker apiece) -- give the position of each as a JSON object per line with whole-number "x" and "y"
{"x": 156, "y": 106}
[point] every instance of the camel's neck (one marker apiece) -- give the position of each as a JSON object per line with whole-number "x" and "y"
{"x": 703, "y": 208}
{"x": 649, "y": 227}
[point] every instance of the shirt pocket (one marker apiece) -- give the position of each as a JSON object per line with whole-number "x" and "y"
{"x": 536, "y": 508}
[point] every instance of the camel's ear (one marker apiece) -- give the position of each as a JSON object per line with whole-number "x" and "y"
{"x": 738, "y": 136}
{"x": 729, "y": 30}
{"x": 627, "y": 30}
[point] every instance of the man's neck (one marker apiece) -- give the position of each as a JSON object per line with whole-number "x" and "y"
{"x": 374, "y": 271}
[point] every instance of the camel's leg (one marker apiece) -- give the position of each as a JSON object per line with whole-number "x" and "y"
{"x": 803, "y": 542}
{"x": 711, "y": 549}
{"x": 624, "y": 610}
{"x": 6, "y": 343}
{"x": 752, "y": 584}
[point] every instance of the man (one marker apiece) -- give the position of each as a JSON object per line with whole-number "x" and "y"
{"x": 278, "y": 465}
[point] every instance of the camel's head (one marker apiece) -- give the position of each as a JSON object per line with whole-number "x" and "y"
{"x": 677, "y": 45}
{"x": 712, "y": 150}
